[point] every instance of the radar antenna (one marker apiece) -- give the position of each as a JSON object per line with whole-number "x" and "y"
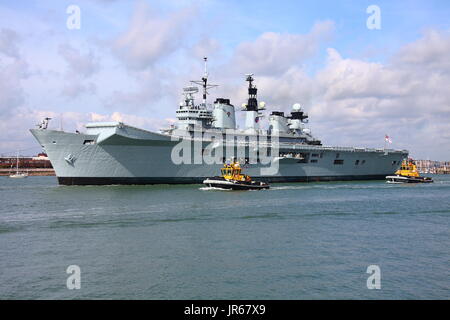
{"x": 189, "y": 95}
{"x": 204, "y": 82}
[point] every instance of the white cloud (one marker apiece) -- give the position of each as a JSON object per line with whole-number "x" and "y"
{"x": 407, "y": 97}
{"x": 430, "y": 52}
{"x": 74, "y": 89}
{"x": 151, "y": 37}
{"x": 15, "y": 134}
{"x": 80, "y": 65}
{"x": 151, "y": 85}
{"x": 12, "y": 73}
{"x": 205, "y": 47}
{"x": 273, "y": 53}
{"x": 8, "y": 42}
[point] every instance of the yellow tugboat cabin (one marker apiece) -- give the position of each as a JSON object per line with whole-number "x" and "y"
{"x": 408, "y": 169}
{"x": 233, "y": 172}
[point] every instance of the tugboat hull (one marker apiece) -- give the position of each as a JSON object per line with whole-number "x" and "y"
{"x": 406, "y": 179}
{"x": 235, "y": 185}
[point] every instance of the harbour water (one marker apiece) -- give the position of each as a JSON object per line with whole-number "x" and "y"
{"x": 294, "y": 241}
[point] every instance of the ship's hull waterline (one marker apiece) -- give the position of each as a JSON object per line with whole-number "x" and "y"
{"x": 121, "y": 154}
{"x": 83, "y": 181}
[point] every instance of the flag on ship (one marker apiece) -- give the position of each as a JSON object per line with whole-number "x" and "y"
{"x": 387, "y": 138}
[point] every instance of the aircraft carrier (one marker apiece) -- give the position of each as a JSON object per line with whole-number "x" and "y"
{"x": 204, "y": 137}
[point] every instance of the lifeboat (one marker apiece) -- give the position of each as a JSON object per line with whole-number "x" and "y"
{"x": 408, "y": 174}
{"x": 232, "y": 178}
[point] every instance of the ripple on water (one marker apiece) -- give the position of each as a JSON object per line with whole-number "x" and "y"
{"x": 294, "y": 241}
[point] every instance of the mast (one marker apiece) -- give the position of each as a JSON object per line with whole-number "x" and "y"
{"x": 252, "y": 116}
{"x": 252, "y": 104}
{"x": 204, "y": 82}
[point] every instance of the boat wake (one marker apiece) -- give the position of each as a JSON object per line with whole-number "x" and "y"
{"x": 290, "y": 187}
{"x": 213, "y": 188}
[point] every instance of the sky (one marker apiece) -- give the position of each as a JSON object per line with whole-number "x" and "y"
{"x": 129, "y": 60}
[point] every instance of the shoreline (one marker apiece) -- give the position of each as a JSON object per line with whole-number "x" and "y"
{"x": 31, "y": 172}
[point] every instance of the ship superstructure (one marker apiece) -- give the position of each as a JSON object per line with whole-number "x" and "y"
{"x": 117, "y": 153}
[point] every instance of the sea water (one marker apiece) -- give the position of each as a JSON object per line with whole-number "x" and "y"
{"x": 293, "y": 241}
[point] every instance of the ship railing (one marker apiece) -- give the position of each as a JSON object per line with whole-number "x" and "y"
{"x": 297, "y": 146}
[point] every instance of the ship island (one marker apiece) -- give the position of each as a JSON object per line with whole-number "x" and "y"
{"x": 118, "y": 153}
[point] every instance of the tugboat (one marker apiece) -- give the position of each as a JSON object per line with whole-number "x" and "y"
{"x": 408, "y": 174}
{"x": 232, "y": 178}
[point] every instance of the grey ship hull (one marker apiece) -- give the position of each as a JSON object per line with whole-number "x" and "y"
{"x": 120, "y": 154}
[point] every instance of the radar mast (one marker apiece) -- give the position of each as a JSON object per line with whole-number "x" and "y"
{"x": 252, "y": 103}
{"x": 204, "y": 82}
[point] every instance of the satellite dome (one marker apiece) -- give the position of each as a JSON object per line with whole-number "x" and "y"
{"x": 296, "y": 107}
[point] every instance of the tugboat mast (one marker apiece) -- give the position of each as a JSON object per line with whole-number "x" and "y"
{"x": 204, "y": 82}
